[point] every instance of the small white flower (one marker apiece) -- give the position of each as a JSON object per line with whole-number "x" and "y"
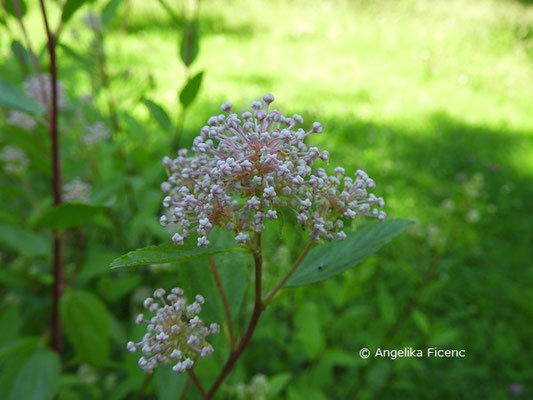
{"x": 272, "y": 214}
{"x": 177, "y": 238}
{"x": 206, "y": 351}
{"x": 242, "y": 237}
{"x": 202, "y": 241}
{"x": 195, "y": 322}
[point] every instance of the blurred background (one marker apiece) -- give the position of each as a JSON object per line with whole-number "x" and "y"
{"x": 433, "y": 99}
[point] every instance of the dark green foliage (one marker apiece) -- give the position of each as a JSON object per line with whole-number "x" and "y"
{"x": 189, "y": 46}
{"x": 332, "y": 258}
{"x": 39, "y": 377}
{"x": 190, "y": 90}
{"x": 68, "y": 215}
{"x": 86, "y": 322}
{"x": 71, "y": 7}
{"x": 166, "y": 253}
{"x": 11, "y": 96}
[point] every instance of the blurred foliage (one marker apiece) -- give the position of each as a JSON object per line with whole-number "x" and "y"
{"x": 432, "y": 99}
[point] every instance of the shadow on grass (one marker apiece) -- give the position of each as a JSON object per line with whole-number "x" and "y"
{"x": 209, "y": 25}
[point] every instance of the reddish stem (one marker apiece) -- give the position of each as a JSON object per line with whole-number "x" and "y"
{"x": 56, "y": 186}
{"x": 225, "y": 302}
{"x": 196, "y": 382}
{"x": 258, "y": 309}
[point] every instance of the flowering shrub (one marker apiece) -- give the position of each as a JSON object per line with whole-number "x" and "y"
{"x": 242, "y": 172}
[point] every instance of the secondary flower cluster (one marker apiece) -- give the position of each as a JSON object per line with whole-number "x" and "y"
{"x": 244, "y": 170}
{"x": 39, "y": 89}
{"x": 15, "y": 160}
{"x": 175, "y": 333}
{"x": 76, "y": 191}
{"x": 95, "y": 133}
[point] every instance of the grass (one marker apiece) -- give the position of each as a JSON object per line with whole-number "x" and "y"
{"x": 434, "y": 100}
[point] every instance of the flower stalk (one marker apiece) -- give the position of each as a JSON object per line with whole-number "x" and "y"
{"x": 224, "y": 298}
{"x": 256, "y": 314}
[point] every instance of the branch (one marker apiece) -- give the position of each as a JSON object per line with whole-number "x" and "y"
{"x": 273, "y": 292}
{"x": 224, "y": 298}
{"x": 170, "y": 11}
{"x": 35, "y": 61}
{"x": 258, "y": 309}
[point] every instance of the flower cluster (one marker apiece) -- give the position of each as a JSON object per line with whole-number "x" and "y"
{"x": 39, "y": 88}
{"x": 95, "y": 133}
{"x": 257, "y": 389}
{"x": 175, "y": 333}
{"x": 21, "y": 119}
{"x": 245, "y": 169}
{"x": 15, "y": 160}
{"x": 93, "y": 21}
{"x": 76, "y": 191}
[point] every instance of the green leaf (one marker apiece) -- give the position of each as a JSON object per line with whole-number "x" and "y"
{"x": 20, "y": 53}
{"x": 421, "y": 321}
{"x": 39, "y": 378}
{"x": 11, "y": 321}
{"x": 109, "y": 12}
{"x": 386, "y": 304}
{"x": 166, "y": 253}
{"x": 191, "y": 89}
{"x": 309, "y": 336}
{"x": 13, "y": 347}
{"x": 86, "y": 322}
{"x": 168, "y": 384}
{"x": 11, "y": 367}
{"x": 334, "y": 257}
{"x": 23, "y": 241}
{"x": 68, "y": 215}
{"x": 277, "y": 383}
{"x": 10, "y": 7}
{"x": 70, "y": 7}
{"x": 189, "y": 43}
{"x": 12, "y": 97}
{"x": 159, "y": 114}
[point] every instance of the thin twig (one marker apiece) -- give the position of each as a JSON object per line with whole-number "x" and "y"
{"x": 56, "y": 186}
{"x": 170, "y": 11}
{"x": 185, "y": 389}
{"x": 273, "y": 292}
{"x": 214, "y": 270}
{"x": 144, "y": 386}
{"x": 256, "y": 313}
{"x": 35, "y": 61}
{"x": 196, "y": 382}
